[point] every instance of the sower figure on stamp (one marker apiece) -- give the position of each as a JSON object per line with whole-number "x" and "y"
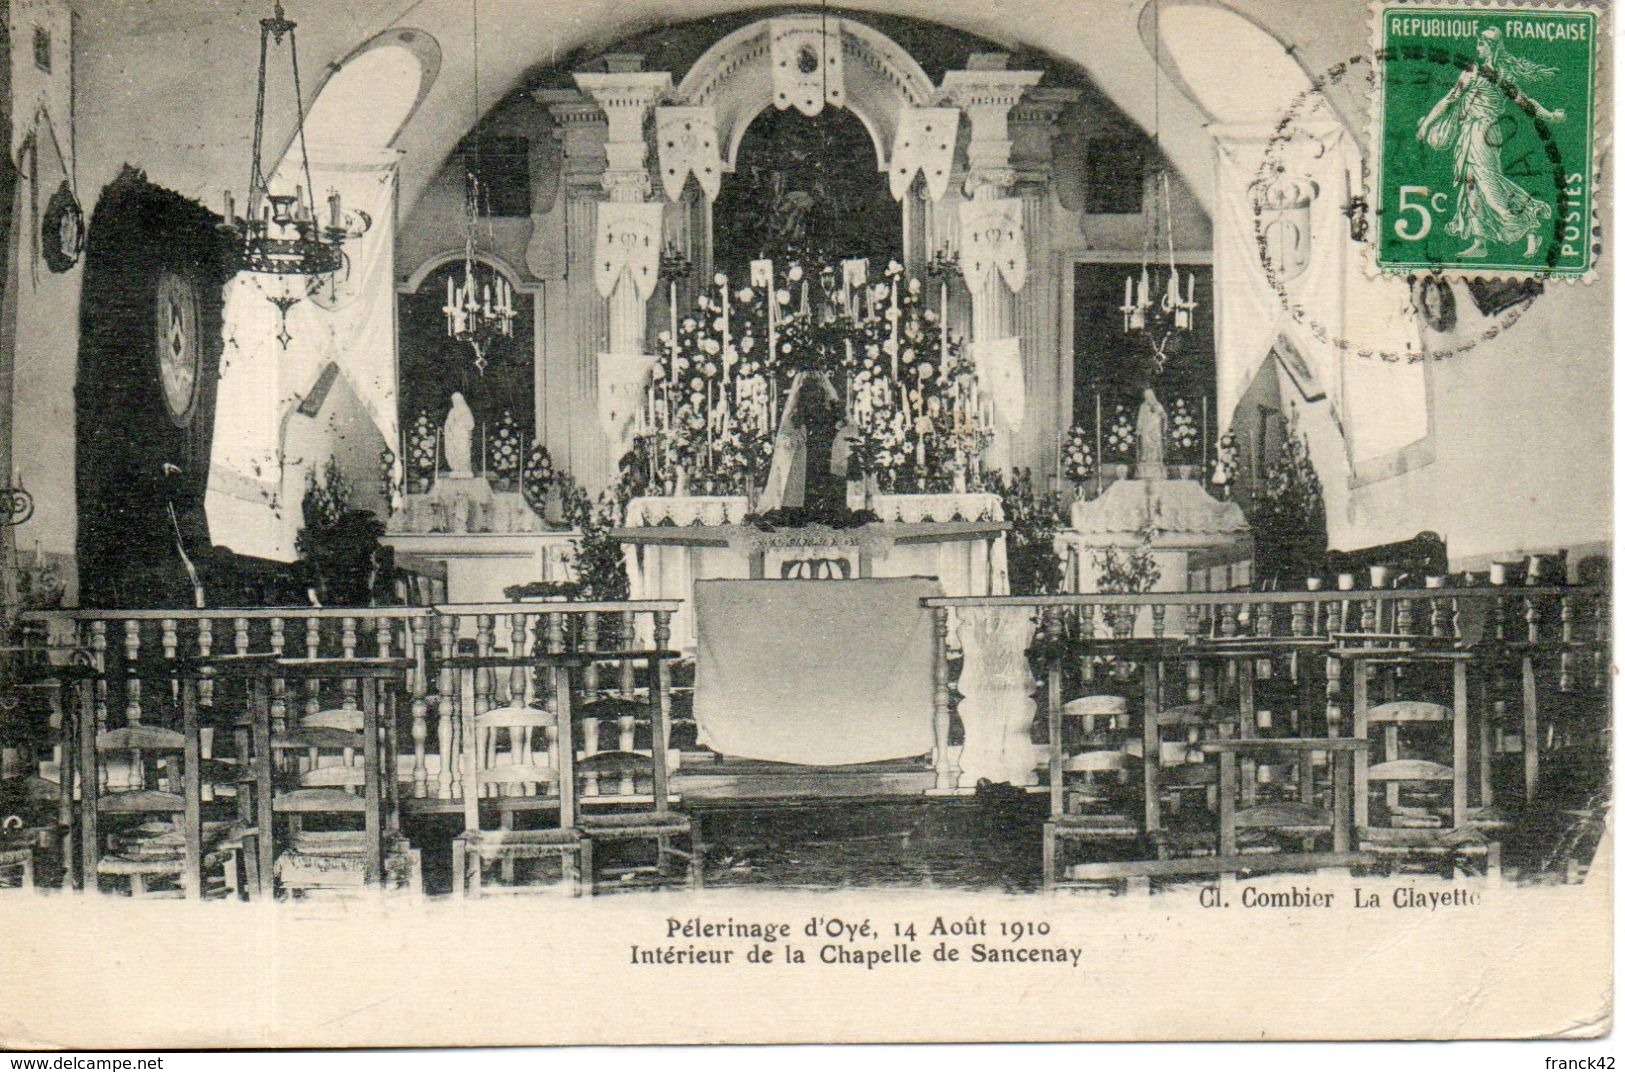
{"x": 1467, "y": 121}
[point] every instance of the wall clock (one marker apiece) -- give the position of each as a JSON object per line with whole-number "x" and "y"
{"x": 62, "y": 230}
{"x": 176, "y": 324}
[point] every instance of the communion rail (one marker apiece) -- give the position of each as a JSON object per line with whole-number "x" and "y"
{"x": 1534, "y": 645}
{"x": 139, "y": 659}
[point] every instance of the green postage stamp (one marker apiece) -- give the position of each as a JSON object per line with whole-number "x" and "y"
{"x": 1484, "y": 139}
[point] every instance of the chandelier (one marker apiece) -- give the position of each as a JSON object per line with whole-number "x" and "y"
{"x": 479, "y": 310}
{"x": 279, "y": 242}
{"x": 1157, "y": 303}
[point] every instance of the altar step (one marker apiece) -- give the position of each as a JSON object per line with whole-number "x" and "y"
{"x": 705, "y": 776}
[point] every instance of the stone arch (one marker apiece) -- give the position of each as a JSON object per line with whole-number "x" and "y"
{"x": 735, "y": 77}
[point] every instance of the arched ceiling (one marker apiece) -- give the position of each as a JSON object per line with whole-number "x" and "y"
{"x": 168, "y": 85}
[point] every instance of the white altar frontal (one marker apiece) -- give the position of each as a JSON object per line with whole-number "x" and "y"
{"x": 671, "y": 543}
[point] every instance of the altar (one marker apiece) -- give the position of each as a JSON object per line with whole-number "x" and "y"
{"x": 671, "y": 543}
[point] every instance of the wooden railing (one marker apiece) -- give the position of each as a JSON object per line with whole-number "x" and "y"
{"x": 141, "y": 657}
{"x": 1533, "y": 642}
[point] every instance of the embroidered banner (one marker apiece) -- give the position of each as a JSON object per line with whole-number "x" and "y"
{"x": 807, "y": 68}
{"x": 925, "y": 142}
{"x": 687, "y": 139}
{"x": 621, "y": 379}
{"x": 629, "y": 243}
{"x": 992, "y": 238}
{"x": 761, "y": 275}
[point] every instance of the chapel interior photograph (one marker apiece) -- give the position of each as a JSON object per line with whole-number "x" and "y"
{"x": 490, "y": 446}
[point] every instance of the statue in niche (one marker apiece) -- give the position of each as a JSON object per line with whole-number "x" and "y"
{"x": 458, "y": 437}
{"x": 1150, "y": 430}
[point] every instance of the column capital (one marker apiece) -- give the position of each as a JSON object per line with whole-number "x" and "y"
{"x": 626, "y": 97}
{"x": 1032, "y": 132}
{"x": 987, "y": 94}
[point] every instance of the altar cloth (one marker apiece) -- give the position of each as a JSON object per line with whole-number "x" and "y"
{"x": 821, "y": 673}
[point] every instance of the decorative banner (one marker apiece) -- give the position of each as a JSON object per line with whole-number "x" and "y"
{"x": 807, "y": 68}
{"x": 620, "y": 392}
{"x": 41, "y": 33}
{"x": 629, "y": 243}
{"x": 1283, "y": 206}
{"x": 925, "y": 142}
{"x": 687, "y": 140}
{"x": 992, "y": 237}
{"x": 998, "y": 372}
{"x": 761, "y": 275}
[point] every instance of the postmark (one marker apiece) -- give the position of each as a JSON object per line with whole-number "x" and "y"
{"x": 1300, "y": 135}
{"x": 1482, "y": 140}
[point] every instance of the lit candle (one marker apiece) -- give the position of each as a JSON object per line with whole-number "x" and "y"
{"x": 336, "y": 213}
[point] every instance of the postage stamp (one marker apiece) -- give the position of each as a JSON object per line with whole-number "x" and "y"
{"x": 1484, "y": 121}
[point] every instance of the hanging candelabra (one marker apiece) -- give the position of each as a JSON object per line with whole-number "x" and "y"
{"x": 1156, "y": 302}
{"x": 279, "y": 242}
{"x": 479, "y": 309}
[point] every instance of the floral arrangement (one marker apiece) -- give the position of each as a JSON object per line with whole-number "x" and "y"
{"x": 1078, "y": 455}
{"x": 1184, "y": 432}
{"x": 1225, "y": 461}
{"x": 1288, "y": 515}
{"x": 422, "y": 445}
{"x": 539, "y": 476}
{"x": 388, "y": 486}
{"x": 1120, "y": 433}
{"x": 505, "y": 447}
{"x": 724, "y": 373}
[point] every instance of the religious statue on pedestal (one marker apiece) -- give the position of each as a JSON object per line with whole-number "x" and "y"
{"x": 1150, "y": 430}
{"x": 811, "y": 450}
{"x": 458, "y": 437}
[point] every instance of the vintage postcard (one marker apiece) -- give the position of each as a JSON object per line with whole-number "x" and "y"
{"x": 757, "y": 522}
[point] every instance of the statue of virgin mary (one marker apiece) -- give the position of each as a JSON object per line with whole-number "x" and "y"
{"x": 811, "y": 449}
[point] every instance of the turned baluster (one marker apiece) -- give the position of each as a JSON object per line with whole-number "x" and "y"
{"x": 555, "y": 644}
{"x": 279, "y": 685}
{"x": 1266, "y": 619}
{"x": 1402, "y": 619}
{"x": 98, "y": 648}
{"x": 448, "y": 779}
{"x": 417, "y": 636}
{"x": 1436, "y": 617}
{"x": 1159, "y": 620}
{"x": 313, "y": 649}
{"x": 484, "y": 676}
{"x": 589, "y": 747}
{"x": 171, "y": 646}
{"x": 1300, "y": 619}
{"x": 1368, "y": 615}
{"x": 205, "y": 648}
{"x": 517, "y": 674}
{"x": 347, "y": 642}
{"x": 1086, "y": 634}
{"x": 1565, "y": 657}
{"x": 940, "y": 715}
{"x": 629, "y": 672}
{"x": 589, "y": 643}
{"x": 1227, "y": 620}
{"x": 132, "y": 671}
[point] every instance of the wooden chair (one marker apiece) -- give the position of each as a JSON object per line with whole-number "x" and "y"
{"x": 1088, "y": 774}
{"x": 513, "y": 782}
{"x": 625, "y": 795}
{"x": 148, "y": 829}
{"x": 1414, "y": 820}
{"x": 334, "y": 767}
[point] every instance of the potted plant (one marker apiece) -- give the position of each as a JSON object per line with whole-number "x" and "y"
{"x": 1131, "y": 571}
{"x": 339, "y": 544}
{"x": 1288, "y": 515}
